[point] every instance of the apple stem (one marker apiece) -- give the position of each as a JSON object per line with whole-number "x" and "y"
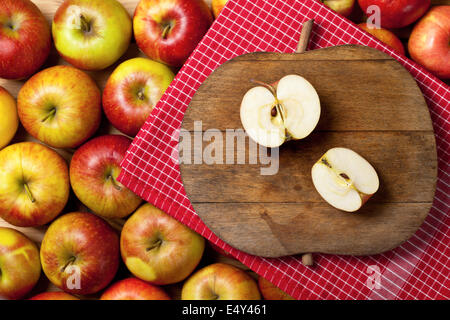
{"x": 50, "y": 115}
{"x": 155, "y": 245}
{"x": 85, "y": 25}
{"x": 70, "y": 261}
{"x": 28, "y": 192}
{"x": 141, "y": 95}
{"x": 166, "y": 30}
{"x": 115, "y": 184}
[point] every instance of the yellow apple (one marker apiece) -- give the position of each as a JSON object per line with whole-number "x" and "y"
{"x": 217, "y": 6}
{"x": 9, "y": 121}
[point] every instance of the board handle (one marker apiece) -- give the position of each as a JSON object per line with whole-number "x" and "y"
{"x": 307, "y": 258}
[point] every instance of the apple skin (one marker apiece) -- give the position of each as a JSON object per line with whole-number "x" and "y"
{"x": 217, "y": 6}
{"x": 429, "y": 41}
{"x": 132, "y": 91}
{"x": 40, "y": 169}
{"x": 109, "y": 36}
{"x": 20, "y": 268}
{"x": 54, "y": 296}
{"x": 157, "y": 248}
{"x": 9, "y": 121}
{"x": 385, "y": 36}
{"x": 398, "y": 13}
{"x": 343, "y": 7}
{"x": 271, "y": 292}
{"x": 134, "y": 289}
{"x": 185, "y": 22}
{"x": 94, "y": 169}
{"x": 25, "y": 47}
{"x": 230, "y": 283}
{"x": 60, "y": 106}
{"x": 81, "y": 240}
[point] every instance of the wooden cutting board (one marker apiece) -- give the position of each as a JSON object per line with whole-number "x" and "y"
{"x": 370, "y": 104}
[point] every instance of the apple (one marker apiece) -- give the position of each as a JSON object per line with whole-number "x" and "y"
{"x": 25, "y": 39}
{"x": 272, "y": 114}
{"x": 398, "y": 13}
{"x": 9, "y": 121}
{"x": 94, "y": 169}
{"x": 271, "y": 292}
{"x": 134, "y": 289}
{"x": 34, "y": 186}
{"x": 54, "y": 296}
{"x": 131, "y": 92}
{"x": 157, "y": 248}
{"x": 60, "y": 106}
{"x": 344, "y": 179}
{"x": 220, "y": 281}
{"x": 385, "y": 36}
{"x": 20, "y": 268}
{"x": 343, "y": 7}
{"x": 80, "y": 253}
{"x": 217, "y": 6}
{"x": 169, "y": 30}
{"x": 429, "y": 41}
{"x": 91, "y": 34}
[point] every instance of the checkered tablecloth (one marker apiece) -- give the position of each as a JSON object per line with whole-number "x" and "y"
{"x": 419, "y": 269}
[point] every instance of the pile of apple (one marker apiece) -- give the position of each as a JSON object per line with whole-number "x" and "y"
{"x": 61, "y": 107}
{"x": 422, "y": 25}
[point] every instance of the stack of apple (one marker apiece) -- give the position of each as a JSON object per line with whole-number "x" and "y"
{"x": 91, "y": 220}
{"x": 424, "y": 26}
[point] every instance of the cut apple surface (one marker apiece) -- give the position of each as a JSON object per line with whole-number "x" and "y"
{"x": 273, "y": 114}
{"x": 344, "y": 179}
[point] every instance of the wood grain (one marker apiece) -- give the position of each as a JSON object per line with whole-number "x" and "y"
{"x": 370, "y": 104}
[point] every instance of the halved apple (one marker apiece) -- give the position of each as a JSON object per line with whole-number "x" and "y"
{"x": 344, "y": 179}
{"x": 273, "y": 114}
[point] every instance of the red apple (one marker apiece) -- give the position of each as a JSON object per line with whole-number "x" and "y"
{"x": 169, "y": 30}
{"x": 157, "y": 248}
{"x": 25, "y": 39}
{"x": 20, "y": 268}
{"x": 94, "y": 169}
{"x": 397, "y": 13}
{"x": 385, "y": 36}
{"x": 271, "y": 292}
{"x": 343, "y": 7}
{"x": 34, "y": 186}
{"x": 54, "y": 296}
{"x": 134, "y": 289}
{"x": 60, "y": 106}
{"x": 220, "y": 281}
{"x": 80, "y": 253}
{"x": 132, "y": 90}
{"x": 91, "y": 34}
{"x": 429, "y": 43}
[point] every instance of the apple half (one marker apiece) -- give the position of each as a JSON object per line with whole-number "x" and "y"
{"x": 344, "y": 179}
{"x": 288, "y": 110}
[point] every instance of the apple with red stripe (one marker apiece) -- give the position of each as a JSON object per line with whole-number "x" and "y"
{"x": 57, "y": 295}
{"x": 25, "y": 39}
{"x": 132, "y": 91}
{"x": 134, "y": 289}
{"x": 169, "y": 30}
{"x": 385, "y": 36}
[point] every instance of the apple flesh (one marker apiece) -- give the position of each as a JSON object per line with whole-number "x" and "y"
{"x": 60, "y": 106}
{"x": 157, "y": 248}
{"x": 217, "y": 6}
{"x": 20, "y": 268}
{"x": 25, "y": 39}
{"x": 80, "y": 253}
{"x": 271, "y": 292}
{"x": 34, "y": 186}
{"x": 220, "y": 281}
{"x": 54, "y": 296}
{"x": 94, "y": 169}
{"x": 132, "y": 91}
{"x": 344, "y": 179}
{"x": 385, "y": 36}
{"x": 273, "y": 114}
{"x": 91, "y": 34}
{"x": 343, "y": 7}
{"x": 169, "y": 30}
{"x": 429, "y": 41}
{"x": 398, "y": 13}
{"x": 9, "y": 121}
{"x": 134, "y": 289}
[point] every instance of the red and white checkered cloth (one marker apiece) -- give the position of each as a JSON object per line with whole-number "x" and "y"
{"x": 419, "y": 269}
